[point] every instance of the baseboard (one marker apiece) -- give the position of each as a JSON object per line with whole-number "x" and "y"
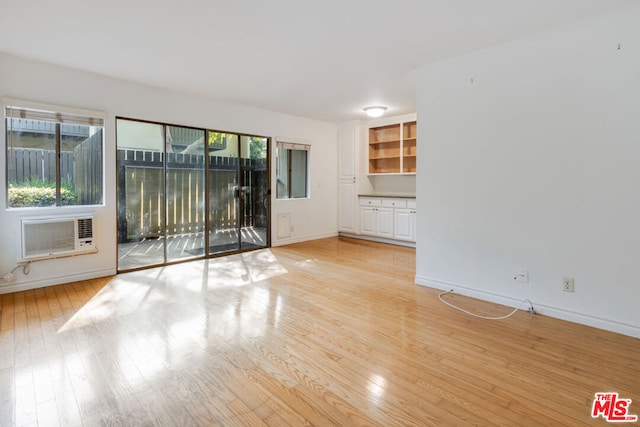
{"x": 35, "y": 284}
{"x": 544, "y": 309}
{"x": 291, "y": 240}
{"x": 379, "y": 239}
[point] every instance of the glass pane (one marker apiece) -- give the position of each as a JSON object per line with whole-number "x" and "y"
{"x": 140, "y": 194}
{"x": 255, "y": 197}
{"x": 223, "y": 192}
{"x": 282, "y": 174}
{"x": 31, "y": 163}
{"x": 185, "y": 193}
{"x": 298, "y": 174}
{"x": 81, "y": 164}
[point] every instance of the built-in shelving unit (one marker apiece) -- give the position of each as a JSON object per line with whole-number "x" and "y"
{"x": 384, "y": 149}
{"x": 392, "y": 149}
{"x": 409, "y": 147}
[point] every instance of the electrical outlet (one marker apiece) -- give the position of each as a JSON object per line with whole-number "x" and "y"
{"x": 522, "y": 276}
{"x": 567, "y": 284}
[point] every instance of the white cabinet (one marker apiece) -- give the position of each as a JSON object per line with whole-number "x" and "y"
{"x": 347, "y": 202}
{"x": 405, "y": 225}
{"x": 384, "y": 222}
{"x": 368, "y": 221}
{"x": 348, "y": 141}
{"x": 374, "y": 216}
{"x": 347, "y": 153}
{"x": 376, "y": 221}
{"x": 389, "y": 218}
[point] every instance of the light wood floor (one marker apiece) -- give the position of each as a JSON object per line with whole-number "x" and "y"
{"x": 330, "y": 332}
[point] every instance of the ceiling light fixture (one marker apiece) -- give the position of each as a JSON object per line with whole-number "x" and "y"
{"x": 375, "y": 111}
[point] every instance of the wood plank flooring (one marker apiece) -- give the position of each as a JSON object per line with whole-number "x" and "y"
{"x": 329, "y": 332}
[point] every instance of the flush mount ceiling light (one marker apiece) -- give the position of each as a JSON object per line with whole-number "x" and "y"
{"x": 375, "y": 111}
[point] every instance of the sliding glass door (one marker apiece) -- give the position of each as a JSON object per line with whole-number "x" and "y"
{"x": 256, "y": 196}
{"x": 224, "y": 203}
{"x": 238, "y": 192}
{"x": 186, "y": 193}
{"x": 140, "y": 194}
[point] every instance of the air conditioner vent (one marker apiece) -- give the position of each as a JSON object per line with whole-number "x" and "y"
{"x": 53, "y": 237}
{"x": 85, "y": 228}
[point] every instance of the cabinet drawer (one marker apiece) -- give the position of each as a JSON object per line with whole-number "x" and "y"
{"x": 394, "y": 203}
{"x": 370, "y": 201}
{"x": 411, "y": 203}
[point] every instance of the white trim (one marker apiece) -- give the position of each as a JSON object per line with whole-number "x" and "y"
{"x": 379, "y": 239}
{"x": 35, "y": 284}
{"x": 392, "y": 120}
{"x": 6, "y": 101}
{"x": 547, "y": 310}
{"x": 292, "y": 240}
{"x": 289, "y": 140}
{"x": 292, "y": 146}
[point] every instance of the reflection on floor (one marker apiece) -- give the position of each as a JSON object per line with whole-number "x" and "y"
{"x": 151, "y": 251}
{"x": 331, "y": 332}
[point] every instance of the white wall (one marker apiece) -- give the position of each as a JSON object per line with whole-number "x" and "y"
{"x": 535, "y": 164}
{"x": 45, "y": 83}
{"x": 399, "y": 185}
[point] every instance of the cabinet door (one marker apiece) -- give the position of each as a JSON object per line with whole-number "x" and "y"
{"x": 384, "y": 222}
{"x": 347, "y": 206}
{"x": 368, "y": 220}
{"x": 404, "y": 229}
{"x": 347, "y": 153}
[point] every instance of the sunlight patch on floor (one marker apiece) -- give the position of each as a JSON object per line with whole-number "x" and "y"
{"x": 151, "y": 290}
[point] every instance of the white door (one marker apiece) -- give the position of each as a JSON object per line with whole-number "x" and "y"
{"x": 347, "y": 149}
{"x": 347, "y": 206}
{"x": 368, "y": 220}
{"x": 384, "y": 218}
{"x": 404, "y": 227}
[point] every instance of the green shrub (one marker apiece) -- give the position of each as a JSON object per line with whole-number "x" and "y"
{"x": 39, "y": 193}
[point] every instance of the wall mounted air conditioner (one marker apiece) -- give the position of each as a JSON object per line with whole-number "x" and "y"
{"x": 56, "y": 237}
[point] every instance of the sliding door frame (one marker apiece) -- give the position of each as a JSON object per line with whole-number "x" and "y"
{"x": 240, "y": 179}
{"x": 207, "y": 202}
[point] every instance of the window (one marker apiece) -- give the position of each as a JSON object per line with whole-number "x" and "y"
{"x": 53, "y": 158}
{"x": 292, "y": 174}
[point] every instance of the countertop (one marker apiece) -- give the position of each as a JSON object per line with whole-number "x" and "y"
{"x": 395, "y": 196}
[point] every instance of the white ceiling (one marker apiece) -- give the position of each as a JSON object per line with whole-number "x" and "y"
{"x": 324, "y": 60}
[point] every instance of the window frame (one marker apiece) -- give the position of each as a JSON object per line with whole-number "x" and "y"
{"x": 58, "y": 115}
{"x": 290, "y": 147}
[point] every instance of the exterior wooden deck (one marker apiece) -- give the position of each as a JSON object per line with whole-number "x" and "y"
{"x": 184, "y": 246}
